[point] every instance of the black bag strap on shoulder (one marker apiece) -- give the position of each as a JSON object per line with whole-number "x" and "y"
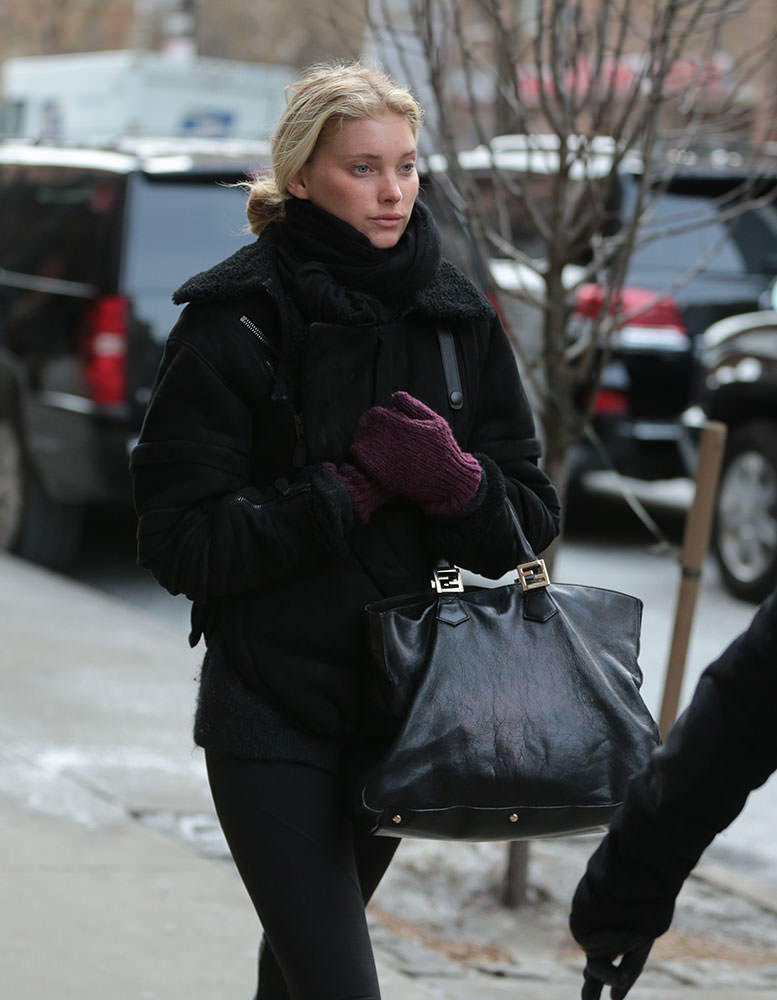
{"x": 450, "y": 367}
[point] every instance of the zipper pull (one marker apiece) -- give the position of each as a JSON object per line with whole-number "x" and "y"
{"x": 265, "y": 341}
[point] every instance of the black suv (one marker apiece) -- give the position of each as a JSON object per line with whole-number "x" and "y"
{"x": 706, "y": 266}
{"x": 737, "y": 384}
{"x": 697, "y": 261}
{"x": 92, "y": 244}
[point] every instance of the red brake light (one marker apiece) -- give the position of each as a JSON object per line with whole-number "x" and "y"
{"x": 104, "y": 350}
{"x": 611, "y": 401}
{"x": 588, "y": 301}
{"x": 648, "y": 321}
{"x": 642, "y": 308}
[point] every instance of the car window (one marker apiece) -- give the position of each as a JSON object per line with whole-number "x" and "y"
{"x": 755, "y": 233}
{"x": 60, "y": 222}
{"x": 692, "y": 207}
{"x": 177, "y": 227}
{"x": 697, "y": 235}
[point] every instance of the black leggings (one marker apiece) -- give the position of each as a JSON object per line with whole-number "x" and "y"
{"x": 309, "y": 875}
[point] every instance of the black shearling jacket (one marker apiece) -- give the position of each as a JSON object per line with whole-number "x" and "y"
{"x": 235, "y": 510}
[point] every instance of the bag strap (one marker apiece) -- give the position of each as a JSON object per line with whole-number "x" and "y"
{"x": 532, "y": 573}
{"x": 525, "y": 551}
{"x": 450, "y": 367}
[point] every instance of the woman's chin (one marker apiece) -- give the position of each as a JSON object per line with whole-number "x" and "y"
{"x": 384, "y": 239}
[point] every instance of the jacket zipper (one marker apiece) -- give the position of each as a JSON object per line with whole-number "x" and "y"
{"x": 263, "y": 339}
{"x": 300, "y": 450}
{"x": 286, "y": 491}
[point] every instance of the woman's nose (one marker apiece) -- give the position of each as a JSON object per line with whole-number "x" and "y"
{"x": 391, "y": 191}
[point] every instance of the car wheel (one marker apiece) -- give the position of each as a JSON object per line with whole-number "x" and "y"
{"x": 745, "y": 527}
{"x": 32, "y": 525}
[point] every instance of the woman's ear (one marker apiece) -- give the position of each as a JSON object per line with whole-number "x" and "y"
{"x": 297, "y": 186}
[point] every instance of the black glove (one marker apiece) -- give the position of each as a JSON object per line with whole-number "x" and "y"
{"x": 626, "y": 898}
{"x": 607, "y": 928}
{"x": 601, "y": 969}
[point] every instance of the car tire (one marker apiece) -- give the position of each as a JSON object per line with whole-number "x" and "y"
{"x": 31, "y": 525}
{"x": 745, "y": 524}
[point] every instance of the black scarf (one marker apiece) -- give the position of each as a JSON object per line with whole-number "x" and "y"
{"x": 336, "y": 275}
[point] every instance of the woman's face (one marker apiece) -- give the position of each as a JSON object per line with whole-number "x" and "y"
{"x": 364, "y": 173}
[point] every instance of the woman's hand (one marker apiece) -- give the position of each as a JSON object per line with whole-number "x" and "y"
{"x": 410, "y": 450}
{"x": 608, "y": 927}
{"x": 602, "y": 970}
{"x": 365, "y": 493}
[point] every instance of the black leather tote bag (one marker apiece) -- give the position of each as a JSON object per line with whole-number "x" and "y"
{"x": 514, "y": 712}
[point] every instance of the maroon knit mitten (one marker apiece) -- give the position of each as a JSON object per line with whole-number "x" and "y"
{"x": 410, "y": 450}
{"x": 366, "y": 494}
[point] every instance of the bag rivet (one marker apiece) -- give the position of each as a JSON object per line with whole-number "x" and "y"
{"x": 396, "y": 819}
{"x": 513, "y": 817}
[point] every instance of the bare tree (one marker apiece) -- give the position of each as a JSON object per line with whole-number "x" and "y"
{"x": 297, "y": 33}
{"x": 559, "y": 97}
{"x": 535, "y": 108}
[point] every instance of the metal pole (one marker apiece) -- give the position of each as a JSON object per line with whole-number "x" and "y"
{"x": 516, "y": 883}
{"x": 695, "y": 547}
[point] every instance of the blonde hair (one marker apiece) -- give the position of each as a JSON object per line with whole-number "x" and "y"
{"x": 325, "y": 96}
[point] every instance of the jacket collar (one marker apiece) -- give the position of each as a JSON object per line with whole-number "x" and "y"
{"x": 252, "y": 269}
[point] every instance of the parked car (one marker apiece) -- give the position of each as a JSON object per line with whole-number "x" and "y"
{"x": 701, "y": 267}
{"x": 92, "y": 244}
{"x": 695, "y": 262}
{"x": 737, "y": 384}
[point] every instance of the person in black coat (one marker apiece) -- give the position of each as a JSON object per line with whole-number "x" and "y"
{"x": 306, "y": 451}
{"x": 720, "y": 748}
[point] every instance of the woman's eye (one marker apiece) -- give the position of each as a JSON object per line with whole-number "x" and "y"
{"x": 408, "y": 168}
{"x": 362, "y": 168}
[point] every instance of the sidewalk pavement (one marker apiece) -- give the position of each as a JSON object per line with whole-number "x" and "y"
{"x": 95, "y": 757}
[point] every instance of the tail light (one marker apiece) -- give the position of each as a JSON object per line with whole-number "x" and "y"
{"x": 103, "y": 349}
{"x": 649, "y": 322}
{"x": 645, "y": 323}
{"x": 611, "y": 402}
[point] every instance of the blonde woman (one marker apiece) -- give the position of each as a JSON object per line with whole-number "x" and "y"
{"x": 302, "y": 456}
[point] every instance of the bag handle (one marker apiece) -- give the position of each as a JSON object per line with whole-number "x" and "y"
{"x": 532, "y": 572}
{"x": 532, "y": 576}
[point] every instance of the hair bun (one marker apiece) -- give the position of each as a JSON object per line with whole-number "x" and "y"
{"x": 265, "y": 204}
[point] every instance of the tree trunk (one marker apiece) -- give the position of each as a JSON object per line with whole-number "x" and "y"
{"x": 516, "y": 883}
